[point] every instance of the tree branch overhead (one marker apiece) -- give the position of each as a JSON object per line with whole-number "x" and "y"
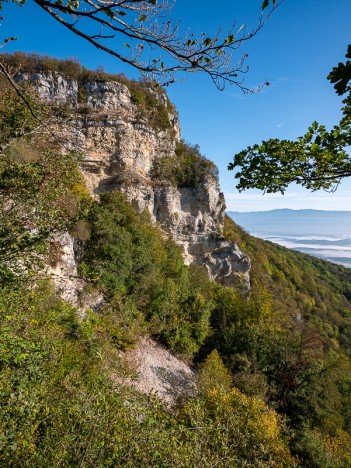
{"x": 142, "y": 34}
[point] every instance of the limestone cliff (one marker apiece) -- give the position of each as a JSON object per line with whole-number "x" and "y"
{"x": 121, "y": 139}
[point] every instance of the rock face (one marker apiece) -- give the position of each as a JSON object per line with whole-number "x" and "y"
{"x": 159, "y": 372}
{"x": 120, "y": 144}
{"x": 53, "y": 88}
{"x": 63, "y": 272}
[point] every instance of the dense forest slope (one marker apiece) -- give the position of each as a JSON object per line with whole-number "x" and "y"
{"x": 273, "y": 366}
{"x": 314, "y": 289}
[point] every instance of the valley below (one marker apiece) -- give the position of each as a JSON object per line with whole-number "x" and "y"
{"x": 323, "y": 234}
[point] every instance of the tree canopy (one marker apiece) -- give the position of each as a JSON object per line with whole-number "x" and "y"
{"x": 317, "y": 160}
{"x": 142, "y": 34}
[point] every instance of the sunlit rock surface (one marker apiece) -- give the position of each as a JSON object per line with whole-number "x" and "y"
{"x": 119, "y": 147}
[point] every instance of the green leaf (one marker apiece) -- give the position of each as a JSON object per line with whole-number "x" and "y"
{"x": 107, "y": 12}
{"x": 230, "y": 39}
{"x": 9, "y": 39}
{"x": 265, "y": 4}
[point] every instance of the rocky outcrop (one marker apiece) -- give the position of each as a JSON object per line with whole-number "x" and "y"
{"x": 63, "y": 270}
{"x": 154, "y": 370}
{"x": 63, "y": 267}
{"x": 52, "y": 87}
{"x": 120, "y": 144}
{"x": 194, "y": 217}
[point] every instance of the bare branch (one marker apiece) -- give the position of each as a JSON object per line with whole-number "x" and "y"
{"x": 146, "y": 38}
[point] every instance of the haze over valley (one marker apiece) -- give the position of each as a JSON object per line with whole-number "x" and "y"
{"x": 324, "y": 234}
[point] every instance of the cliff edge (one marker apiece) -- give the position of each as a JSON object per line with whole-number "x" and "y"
{"x": 128, "y": 132}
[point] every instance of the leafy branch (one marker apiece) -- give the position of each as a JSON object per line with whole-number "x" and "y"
{"x": 317, "y": 160}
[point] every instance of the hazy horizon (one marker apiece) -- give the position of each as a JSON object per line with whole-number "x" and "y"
{"x": 325, "y": 234}
{"x": 289, "y": 209}
{"x": 293, "y": 199}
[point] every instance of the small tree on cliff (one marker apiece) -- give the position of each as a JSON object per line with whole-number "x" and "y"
{"x": 141, "y": 33}
{"x": 317, "y": 160}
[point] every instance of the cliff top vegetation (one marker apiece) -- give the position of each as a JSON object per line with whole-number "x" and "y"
{"x": 145, "y": 94}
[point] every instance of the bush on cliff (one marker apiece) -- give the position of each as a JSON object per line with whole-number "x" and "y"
{"x": 187, "y": 168}
{"x": 147, "y": 95}
{"x": 129, "y": 259}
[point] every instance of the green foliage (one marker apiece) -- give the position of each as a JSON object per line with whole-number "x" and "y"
{"x": 340, "y": 76}
{"x": 36, "y": 63}
{"x": 317, "y": 160}
{"x": 303, "y": 285}
{"x": 266, "y": 3}
{"x": 42, "y": 192}
{"x": 129, "y": 259}
{"x": 318, "y": 451}
{"x": 213, "y": 375}
{"x": 187, "y": 168}
{"x": 288, "y": 346}
{"x": 55, "y": 369}
{"x": 41, "y": 189}
{"x": 237, "y": 428}
{"x": 124, "y": 251}
{"x": 148, "y": 96}
{"x": 16, "y": 118}
{"x": 59, "y": 406}
{"x": 178, "y": 317}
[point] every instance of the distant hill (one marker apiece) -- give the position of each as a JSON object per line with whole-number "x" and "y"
{"x": 295, "y": 222}
{"x": 323, "y": 234}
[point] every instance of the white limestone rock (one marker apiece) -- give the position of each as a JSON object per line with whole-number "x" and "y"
{"x": 52, "y": 87}
{"x": 63, "y": 270}
{"x": 157, "y": 371}
{"x": 120, "y": 147}
{"x": 109, "y": 96}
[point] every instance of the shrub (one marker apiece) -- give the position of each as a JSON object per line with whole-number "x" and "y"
{"x": 36, "y": 63}
{"x": 41, "y": 192}
{"x": 127, "y": 257}
{"x": 59, "y": 406}
{"x": 233, "y": 429}
{"x": 187, "y": 168}
{"x": 147, "y": 97}
{"x": 213, "y": 375}
{"x": 319, "y": 450}
{"x": 16, "y": 119}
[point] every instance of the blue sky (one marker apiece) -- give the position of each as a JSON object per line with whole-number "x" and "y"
{"x": 295, "y": 51}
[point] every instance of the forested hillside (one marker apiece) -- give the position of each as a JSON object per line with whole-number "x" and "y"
{"x": 273, "y": 364}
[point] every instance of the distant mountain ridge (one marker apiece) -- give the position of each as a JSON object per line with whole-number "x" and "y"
{"x": 294, "y": 222}
{"x": 323, "y": 234}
